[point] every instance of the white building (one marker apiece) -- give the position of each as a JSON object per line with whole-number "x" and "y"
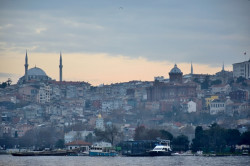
{"x": 44, "y": 93}
{"x": 241, "y": 69}
{"x": 190, "y": 106}
{"x": 219, "y": 106}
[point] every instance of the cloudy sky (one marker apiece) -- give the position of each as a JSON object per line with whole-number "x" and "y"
{"x": 109, "y": 41}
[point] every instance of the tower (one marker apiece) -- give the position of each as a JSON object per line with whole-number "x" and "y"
{"x": 192, "y": 68}
{"x": 60, "y": 67}
{"x": 26, "y": 67}
{"x": 223, "y": 67}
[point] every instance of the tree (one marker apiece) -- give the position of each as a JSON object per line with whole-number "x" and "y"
{"x": 166, "y": 135}
{"x": 60, "y": 143}
{"x": 197, "y": 142}
{"x": 153, "y": 134}
{"x": 140, "y": 133}
{"x": 216, "y": 82}
{"x": 78, "y": 136}
{"x": 240, "y": 79}
{"x": 215, "y": 139}
{"x": 245, "y": 138}
{"x": 6, "y": 83}
{"x": 89, "y": 138}
{"x": 205, "y": 83}
{"x": 232, "y": 137}
{"x": 180, "y": 143}
{"x": 110, "y": 134}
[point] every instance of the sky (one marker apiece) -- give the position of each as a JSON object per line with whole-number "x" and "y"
{"x": 112, "y": 41}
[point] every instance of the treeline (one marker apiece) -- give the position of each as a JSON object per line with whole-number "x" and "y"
{"x": 45, "y": 137}
{"x": 214, "y": 139}
{"x": 217, "y": 139}
{"x": 179, "y": 143}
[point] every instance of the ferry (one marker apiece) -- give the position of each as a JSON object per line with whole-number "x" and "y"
{"x": 162, "y": 149}
{"x": 101, "y": 151}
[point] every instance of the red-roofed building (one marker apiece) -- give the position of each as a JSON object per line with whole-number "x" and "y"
{"x": 78, "y": 144}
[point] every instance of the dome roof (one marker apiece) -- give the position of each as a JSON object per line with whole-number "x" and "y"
{"x": 35, "y": 71}
{"x": 175, "y": 70}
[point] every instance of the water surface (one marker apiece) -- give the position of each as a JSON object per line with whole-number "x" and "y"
{"x": 8, "y": 160}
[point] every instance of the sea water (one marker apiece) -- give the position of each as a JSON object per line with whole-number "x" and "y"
{"x": 8, "y": 160}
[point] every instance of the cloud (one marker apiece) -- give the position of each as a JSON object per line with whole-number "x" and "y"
{"x": 159, "y": 31}
{"x": 4, "y": 77}
{"x": 39, "y": 30}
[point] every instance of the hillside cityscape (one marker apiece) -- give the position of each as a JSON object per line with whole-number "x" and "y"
{"x": 40, "y": 112}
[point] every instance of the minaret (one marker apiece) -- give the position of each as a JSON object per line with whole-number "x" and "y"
{"x": 60, "y": 67}
{"x": 26, "y": 67}
{"x": 192, "y": 68}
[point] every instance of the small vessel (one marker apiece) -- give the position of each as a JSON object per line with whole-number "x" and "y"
{"x": 245, "y": 152}
{"x": 162, "y": 149}
{"x": 101, "y": 151}
{"x": 40, "y": 153}
{"x": 187, "y": 153}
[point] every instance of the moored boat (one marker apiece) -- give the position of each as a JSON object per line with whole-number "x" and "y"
{"x": 101, "y": 151}
{"x": 162, "y": 149}
{"x": 40, "y": 153}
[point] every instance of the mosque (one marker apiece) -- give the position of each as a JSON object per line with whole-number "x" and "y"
{"x": 36, "y": 74}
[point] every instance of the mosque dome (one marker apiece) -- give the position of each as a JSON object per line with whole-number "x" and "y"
{"x": 175, "y": 70}
{"x": 35, "y": 71}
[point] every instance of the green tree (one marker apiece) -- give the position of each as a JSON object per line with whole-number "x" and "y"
{"x": 6, "y": 83}
{"x": 216, "y": 82}
{"x": 205, "y": 83}
{"x": 245, "y": 138}
{"x": 197, "y": 142}
{"x": 232, "y": 137}
{"x": 152, "y": 134}
{"x": 180, "y": 143}
{"x": 140, "y": 133}
{"x": 166, "y": 135}
{"x": 60, "y": 143}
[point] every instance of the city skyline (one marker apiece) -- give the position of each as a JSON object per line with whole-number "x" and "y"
{"x": 119, "y": 41}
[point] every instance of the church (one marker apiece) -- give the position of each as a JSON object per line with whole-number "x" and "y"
{"x": 37, "y": 74}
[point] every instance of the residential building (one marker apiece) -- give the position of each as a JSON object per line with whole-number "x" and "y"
{"x": 189, "y": 106}
{"x": 241, "y": 69}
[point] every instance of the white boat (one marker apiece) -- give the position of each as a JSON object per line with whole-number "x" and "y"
{"x": 162, "y": 149}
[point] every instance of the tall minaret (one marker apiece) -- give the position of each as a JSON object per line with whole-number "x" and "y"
{"x": 192, "y": 68}
{"x": 60, "y": 67}
{"x": 26, "y": 67}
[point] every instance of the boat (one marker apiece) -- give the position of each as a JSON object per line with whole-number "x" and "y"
{"x": 187, "y": 153}
{"x": 162, "y": 149}
{"x": 245, "y": 152}
{"x": 101, "y": 151}
{"x": 40, "y": 153}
